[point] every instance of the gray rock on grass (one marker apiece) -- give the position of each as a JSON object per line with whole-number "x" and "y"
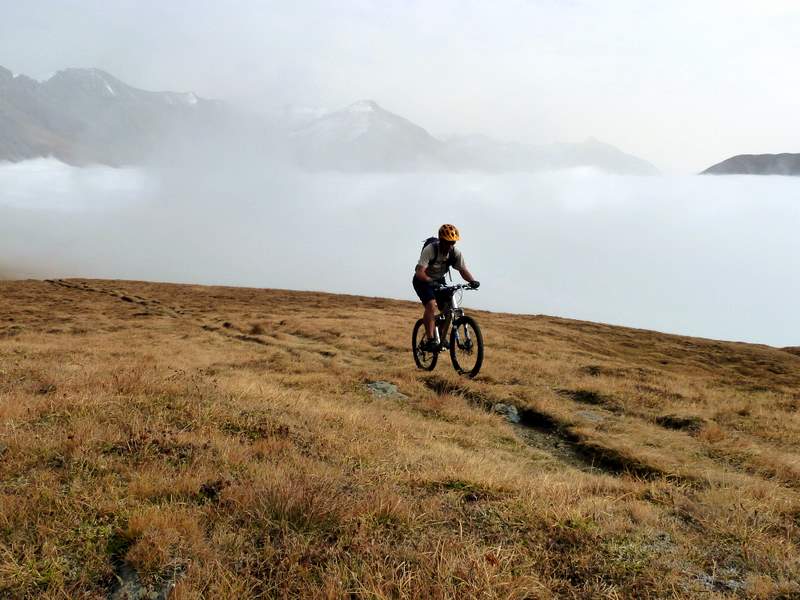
{"x": 509, "y": 411}
{"x": 384, "y": 389}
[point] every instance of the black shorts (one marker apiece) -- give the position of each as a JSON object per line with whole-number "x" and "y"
{"x": 424, "y": 289}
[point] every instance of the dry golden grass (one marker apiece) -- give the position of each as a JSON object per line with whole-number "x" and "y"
{"x": 223, "y": 440}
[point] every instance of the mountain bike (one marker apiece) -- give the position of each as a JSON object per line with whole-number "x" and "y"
{"x": 466, "y": 341}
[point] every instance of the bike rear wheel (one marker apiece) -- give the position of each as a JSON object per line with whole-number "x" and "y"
{"x": 423, "y": 359}
{"x": 466, "y": 346}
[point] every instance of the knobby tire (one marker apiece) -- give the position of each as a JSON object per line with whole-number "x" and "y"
{"x": 477, "y": 340}
{"x": 417, "y": 338}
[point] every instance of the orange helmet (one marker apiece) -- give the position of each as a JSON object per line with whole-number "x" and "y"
{"x": 449, "y": 233}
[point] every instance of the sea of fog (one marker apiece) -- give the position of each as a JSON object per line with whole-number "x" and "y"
{"x": 698, "y": 255}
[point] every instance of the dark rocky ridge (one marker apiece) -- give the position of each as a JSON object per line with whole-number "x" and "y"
{"x": 757, "y": 164}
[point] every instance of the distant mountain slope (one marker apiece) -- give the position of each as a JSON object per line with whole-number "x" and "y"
{"x": 86, "y": 115}
{"x": 757, "y": 164}
{"x": 479, "y": 152}
{"x": 83, "y": 116}
{"x": 24, "y": 128}
{"x": 364, "y": 136}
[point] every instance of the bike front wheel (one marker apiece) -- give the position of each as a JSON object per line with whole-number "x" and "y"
{"x": 466, "y": 346}
{"x": 423, "y": 359}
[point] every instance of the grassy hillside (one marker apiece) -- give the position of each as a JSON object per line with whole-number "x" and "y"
{"x": 222, "y": 443}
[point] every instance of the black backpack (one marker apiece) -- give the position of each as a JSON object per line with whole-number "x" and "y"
{"x": 451, "y": 259}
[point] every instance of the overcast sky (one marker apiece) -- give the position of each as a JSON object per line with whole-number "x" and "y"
{"x": 683, "y": 84}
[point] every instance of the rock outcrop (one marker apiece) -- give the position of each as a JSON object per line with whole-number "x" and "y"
{"x": 757, "y": 164}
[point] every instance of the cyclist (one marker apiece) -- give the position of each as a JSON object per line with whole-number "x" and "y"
{"x": 438, "y": 255}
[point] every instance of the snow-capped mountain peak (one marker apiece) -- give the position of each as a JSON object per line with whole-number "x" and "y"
{"x": 97, "y": 84}
{"x": 180, "y": 98}
{"x": 87, "y": 115}
{"x": 364, "y": 106}
{"x": 364, "y": 136}
{"x": 90, "y": 81}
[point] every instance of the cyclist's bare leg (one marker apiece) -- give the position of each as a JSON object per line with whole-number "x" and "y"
{"x": 429, "y": 318}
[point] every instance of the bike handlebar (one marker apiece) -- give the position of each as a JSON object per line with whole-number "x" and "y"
{"x": 455, "y": 287}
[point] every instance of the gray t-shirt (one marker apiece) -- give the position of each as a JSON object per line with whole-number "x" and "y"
{"x": 438, "y": 268}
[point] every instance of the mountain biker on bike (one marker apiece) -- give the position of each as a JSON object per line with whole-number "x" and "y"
{"x": 437, "y": 256}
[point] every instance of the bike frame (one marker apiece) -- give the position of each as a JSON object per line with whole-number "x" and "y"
{"x": 450, "y": 314}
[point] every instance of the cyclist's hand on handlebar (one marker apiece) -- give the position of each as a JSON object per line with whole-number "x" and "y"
{"x": 474, "y": 285}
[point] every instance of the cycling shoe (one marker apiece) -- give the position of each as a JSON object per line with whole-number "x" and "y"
{"x": 430, "y": 346}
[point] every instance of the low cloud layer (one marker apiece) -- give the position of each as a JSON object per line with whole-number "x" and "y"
{"x": 704, "y": 256}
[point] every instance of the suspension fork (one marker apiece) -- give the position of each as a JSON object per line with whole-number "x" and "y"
{"x": 467, "y": 335}
{"x": 456, "y": 335}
